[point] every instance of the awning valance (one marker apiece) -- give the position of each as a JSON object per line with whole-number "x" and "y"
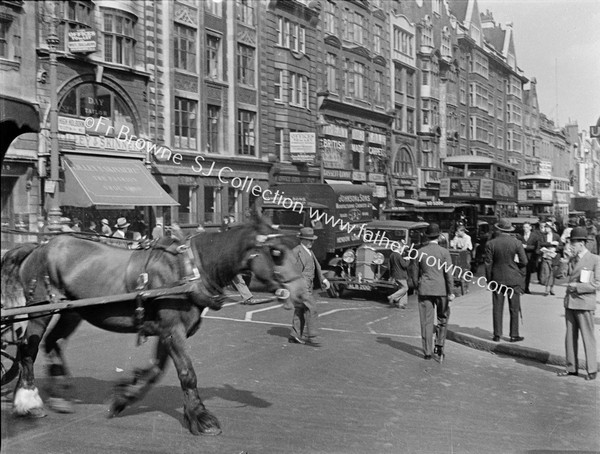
{"x": 102, "y": 181}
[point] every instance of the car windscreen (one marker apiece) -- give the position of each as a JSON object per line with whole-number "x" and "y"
{"x": 392, "y": 235}
{"x": 284, "y": 217}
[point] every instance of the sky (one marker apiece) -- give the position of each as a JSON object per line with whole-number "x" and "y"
{"x": 558, "y": 43}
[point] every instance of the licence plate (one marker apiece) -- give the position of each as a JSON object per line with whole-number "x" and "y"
{"x": 359, "y": 287}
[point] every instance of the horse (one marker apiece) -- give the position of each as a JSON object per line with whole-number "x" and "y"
{"x": 71, "y": 268}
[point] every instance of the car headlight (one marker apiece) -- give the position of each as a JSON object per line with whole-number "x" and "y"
{"x": 378, "y": 258}
{"x": 348, "y": 256}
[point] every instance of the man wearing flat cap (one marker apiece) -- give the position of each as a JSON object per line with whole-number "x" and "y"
{"x": 305, "y": 312}
{"x": 505, "y": 263}
{"x": 580, "y": 304}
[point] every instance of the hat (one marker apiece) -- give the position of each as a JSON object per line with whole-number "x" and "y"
{"x": 550, "y": 224}
{"x": 307, "y": 233}
{"x": 579, "y": 233}
{"x": 504, "y": 225}
{"x": 122, "y": 223}
{"x": 432, "y": 231}
{"x": 572, "y": 223}
{"x": 104, "y": 221}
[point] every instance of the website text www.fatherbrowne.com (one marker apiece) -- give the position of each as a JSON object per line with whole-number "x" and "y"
{"x": 247, "y": 184}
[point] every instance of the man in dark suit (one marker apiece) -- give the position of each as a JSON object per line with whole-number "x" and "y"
{"x": 305, "y": 312}
{"x": 580, "y": 303}
{"x": 436, "y": 285}
{"x": 505, "y": 262}
{"x": 531, "y": 244}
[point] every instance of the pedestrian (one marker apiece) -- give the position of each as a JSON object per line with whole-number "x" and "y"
{"x": 238, "y": 281}
{"x": 462, "y": 242}
{"x": 157, "y": 231}
{"x": 106, "y": 230}
{"x": 121, "y": 227}
{"x": 550, "y": 257}
{"x": 305, "y": 312}
{"x": 93, "y": 229}
{"x": 531, "y": 244}
{"x": 508, "y": 276}
{"x": 436, "y": 286}
{"x": 399, "y": 274}
{"x": 580, "y": 304}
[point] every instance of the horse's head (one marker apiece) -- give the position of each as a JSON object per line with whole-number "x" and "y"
{"x": 272, "y": 263}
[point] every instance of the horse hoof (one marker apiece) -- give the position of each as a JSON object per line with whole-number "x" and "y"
{"x": 34, "y": 413}
{"x": 60, "y": 405}
{"x": 213, "y": 431}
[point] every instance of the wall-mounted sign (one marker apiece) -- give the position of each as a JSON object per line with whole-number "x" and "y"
{"x": 74, "y": 125}
{"x": 359, "y": 176}
{"x": 487, "y": 189}
{"x": 303, "y": 146}
{"x": 376, "y": 177}
{"x": 82, "y": 41}
{"x": 337, "y": 174}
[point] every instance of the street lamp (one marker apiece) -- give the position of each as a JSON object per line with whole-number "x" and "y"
{"x": 54, "y": 213}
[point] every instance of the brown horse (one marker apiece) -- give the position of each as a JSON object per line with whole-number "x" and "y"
{"x": 73, "y": 268}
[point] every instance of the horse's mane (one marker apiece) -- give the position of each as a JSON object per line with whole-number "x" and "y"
{"x": 221, "y": 253}
{"x": 13, "y": 293}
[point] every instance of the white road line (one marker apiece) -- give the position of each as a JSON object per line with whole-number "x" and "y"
{"x": 343, "y": 309}
{"x": 249, "y": 314}
{"x": 247, "y": 321}
{"x": 371, "y": 330}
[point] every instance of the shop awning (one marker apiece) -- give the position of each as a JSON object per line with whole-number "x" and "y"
{"x": 16, "y": 117}
{"x": 102, "y": 181}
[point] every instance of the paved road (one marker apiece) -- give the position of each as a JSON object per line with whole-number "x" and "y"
{"x": 366, "y": 390}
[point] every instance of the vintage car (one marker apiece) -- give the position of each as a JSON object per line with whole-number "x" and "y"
{"x": 366, "y": 267}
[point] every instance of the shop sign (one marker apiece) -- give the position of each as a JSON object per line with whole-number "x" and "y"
{"x": 377, "y": 138}
{"x": 444, "y": 187}
{"x": 333, "y": 151}
{"x": 376, "y": 177}
{"x": 303, "y": 146}
{"x": 358, "y": 134}
{"x": 359, "y": 176}
{"x": 405, "y": 182}
{"x": 100, "y": 142}
{"x": 74, "y": 125}
{"x": 380, "y": 191}
{"x": 296, "y": 179}
{"x": 400, "y": 193}
{"x": 95, "y": 106}
{"x": 82, "y": 41}
{"x": 545, "y": 168}
{"x": 375, "y": 151}
{"x": 335, "y": 131}
{"x": 337, "y": 174}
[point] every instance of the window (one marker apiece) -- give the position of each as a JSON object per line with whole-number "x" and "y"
{"x": 246, "y": 132}
{"x": 480, "y": 64}
{"x": 278, "y": 84}
{"x": 425, "y": 112}
{"x": 410, "y": 121}
{"x": 515, "y": 141}
{"x": 359, "y": 24}
{"x": 212, "y": 204}
{"x": 515, "y": 87}
{"x": 119, "y": 39}
{"x": 233, "y": 196}
{"x": 185, "y": 48}
{"x": 245, "y": 11}
{"x": 446, "y": 43}
{"x": 213, "y": 57}
{"x": 427, "y": 155}
{"x": 354, "y": 25}
{"x": 513, "y": 112}
{"x": 75, "y": 15}
{"x": 403, "y": 42}
{"x": 479, "y": 97}
{"x": 499, "y": 109}
{"x": 186, "y": 197}
{"x": 291, "y": 35}
{"x": 213, "y": 126}
{"x": 279, "y": 150}
{"x": 378, "y": 87}
{"x": 377, "y": 32}
{"x": 437, "y": 6}
{"x": 109, "y": 112}
{"x": 398, "y": 120}
{"x": 185, "y": 123}
{"x": 398, "y": 79}
{"x": 410, "y": 83}
{"x": 246, "y": 65}
{"x": 463, "y": 91}
{"x": 427, "y": 35}
{"x": 298, "y": 90}
{"x": 406, "y": 163}
{"x": 328, "y": 15}
{"x": 359, "y": 80}
{"x": 425, "y": 73}
{"x": 332, "y": 84}
{"x": 463, "y": 126}
{"x": 348, "y": 80}
{"x": 5, "y": 38}
{"x": 214, "y": 7}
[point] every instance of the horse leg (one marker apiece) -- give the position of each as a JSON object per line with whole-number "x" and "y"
{"x": 197, "y": 418}
{"x": 60, "y": 386}
{"x": 27, "y": 400}
{"x": 143, "y": 379}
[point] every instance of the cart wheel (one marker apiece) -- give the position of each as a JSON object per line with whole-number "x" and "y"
{"x": 10, "y": 365}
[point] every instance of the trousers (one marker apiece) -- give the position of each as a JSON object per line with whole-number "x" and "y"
{"x": 580, "y": 320}
{"x": 427, "y": 304}
{"x": 514, "y": 307}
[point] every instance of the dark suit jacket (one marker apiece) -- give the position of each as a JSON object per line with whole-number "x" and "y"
{"x": 500, "y": 265}
{"x": 435, "y": 280}
{"x": 584, "y": 298}
{"x": 532, "y": 245}
{"x": 398, "y": 266}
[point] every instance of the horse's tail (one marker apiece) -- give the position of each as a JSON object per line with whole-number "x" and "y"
{"x": 13, "y": 292}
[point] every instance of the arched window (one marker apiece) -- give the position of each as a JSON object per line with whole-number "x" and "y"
{"x": 403, "y": 165}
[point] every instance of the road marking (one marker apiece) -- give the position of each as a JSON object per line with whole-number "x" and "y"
{"x": 371, "y": 330}
{"x": 343, "y": 309}
{"x": 246, "y": 321}
{"x": 249, "y": 314}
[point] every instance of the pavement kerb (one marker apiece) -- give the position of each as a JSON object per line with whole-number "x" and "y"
{"x": 519, "y": 351}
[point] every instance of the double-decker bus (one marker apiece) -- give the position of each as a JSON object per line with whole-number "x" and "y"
{"x": 484, "y": 182}
{"x": 544, "y": 195}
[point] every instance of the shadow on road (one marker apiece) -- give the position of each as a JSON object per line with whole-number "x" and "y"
{"x": 407, "y": 348}
{"x": 472, "y": 331}
{"x": 279, "y": 331}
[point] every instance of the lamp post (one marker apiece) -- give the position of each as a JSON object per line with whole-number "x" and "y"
{"x": 54, "y": 213}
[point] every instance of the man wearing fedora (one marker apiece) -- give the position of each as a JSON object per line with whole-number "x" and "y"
{"x": 121, "y": 227}
{"x": 436, "y": 286}
{"x": 580, "y": 303}
{"x": 305, "y": 312}
{"x": 505, "y": 262}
